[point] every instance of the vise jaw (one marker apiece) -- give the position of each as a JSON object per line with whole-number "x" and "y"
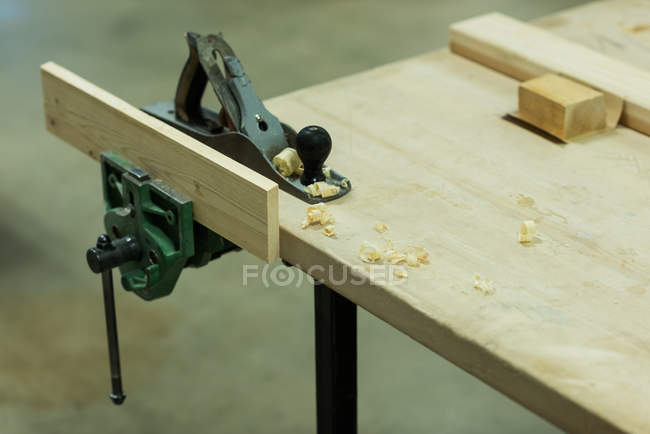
{"x": 154, "y": 232}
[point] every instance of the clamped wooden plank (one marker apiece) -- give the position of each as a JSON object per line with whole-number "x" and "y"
{"x": 524, "y": 51}
{"x": 228, "y": 197}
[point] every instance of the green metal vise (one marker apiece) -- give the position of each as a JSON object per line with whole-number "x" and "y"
{"x": 144, "y": 215}
{"x": 151, "y": 237}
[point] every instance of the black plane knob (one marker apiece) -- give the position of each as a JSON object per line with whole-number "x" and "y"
{"x": 313, "y": 144}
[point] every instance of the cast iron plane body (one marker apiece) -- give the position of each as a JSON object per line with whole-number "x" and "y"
{"x": 243, "y": 129}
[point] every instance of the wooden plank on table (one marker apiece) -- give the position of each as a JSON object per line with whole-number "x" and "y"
{"x": 567, "y": 331}
{"x": 229, "y": 198}
{"x": 617, "y": 28}
{"x": 524, "y": 51}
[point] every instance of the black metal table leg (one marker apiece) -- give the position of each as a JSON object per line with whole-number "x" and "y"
{"x": 336, "y": 362}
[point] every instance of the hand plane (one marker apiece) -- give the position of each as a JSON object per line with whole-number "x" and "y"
{"x": 243, "y": 129}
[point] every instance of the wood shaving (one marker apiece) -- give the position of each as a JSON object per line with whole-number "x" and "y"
{"x": 369, "y": 253}
{"x": 329, "y": 230}
{"x": 326, "y": 218}
{"x": 313, "y": 189}
{"x": 327, "y": 172}
{"x": 527, "y": 231}
{"x": 394, "y": 257}
{"x": 485, "y": 286}
{"x": 412, "y": 260}
{"x": 381, "y": 228}
{"x": 317, "y": 214}
{"x": 328, "y": 190}
{"x": 287, "y": 162}
{"x": 421, "y": 254}
{"x": 401, "y": 273}
{"x": 323, "y": 189}
{"x": 414, "y": 256}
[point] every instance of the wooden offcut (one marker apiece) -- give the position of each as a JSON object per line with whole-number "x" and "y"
{"x": 561, "y": 107}
{"x": 524, "y": 51}
{"x": 229, "y": 198}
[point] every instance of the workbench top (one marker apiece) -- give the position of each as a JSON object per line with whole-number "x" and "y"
{"x": 567, "y": 331}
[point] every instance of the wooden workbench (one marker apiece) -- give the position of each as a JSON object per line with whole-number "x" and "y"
{"x": 567, "y": 332}
{"x": 430, "y": 153}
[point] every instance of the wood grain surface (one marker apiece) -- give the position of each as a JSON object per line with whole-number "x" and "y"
{"x": 567, "y": 332}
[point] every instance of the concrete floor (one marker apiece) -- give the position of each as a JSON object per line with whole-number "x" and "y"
{"x": 214, "y": 356}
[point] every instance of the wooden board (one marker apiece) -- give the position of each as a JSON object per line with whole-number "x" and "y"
{"x": 619, "y": 29}
{"x": 524, "y": 51}
{"x": 228, "y": 198}
{"x": 567, "y": 332}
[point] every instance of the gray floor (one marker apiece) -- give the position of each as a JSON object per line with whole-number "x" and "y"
{"x": 215, "y": 356}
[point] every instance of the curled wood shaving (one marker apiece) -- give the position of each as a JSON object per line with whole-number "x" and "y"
{"x": 420, "y": 253}
{"x": 326, "y": 218}
{"x": 527, "y": 231}
{"x": 313, "y": 190}
{"x": 287, "y": 162}
{"x": 329, "y": 230}
{"x": 323, "y": 189}
{"x": 414, "y": 256}
{"x": 369, "y": 253}
{"x": 381, "y": 227}
{"x": 394, "y": 257}
{"x": 401, "y": 273}
{"x": 319, "y": 214}
{"x": 485, "y": 286}
{"x": 412, "y": 260}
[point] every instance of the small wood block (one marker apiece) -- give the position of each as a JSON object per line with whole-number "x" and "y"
{"x": 562, "y": 107}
